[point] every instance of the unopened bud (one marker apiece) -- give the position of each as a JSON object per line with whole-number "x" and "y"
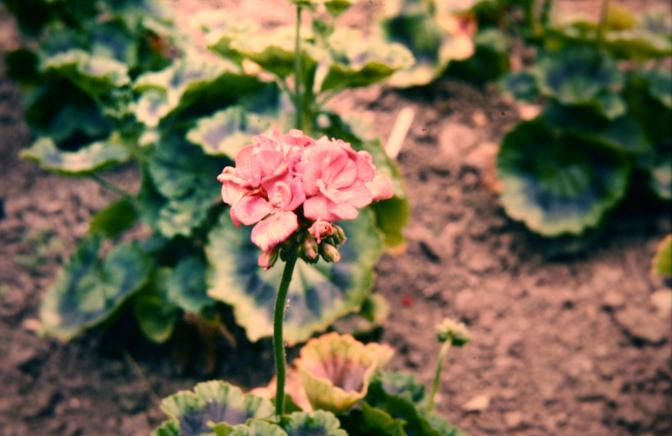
{"x": 330, "y": 253}
{"x": 268, "y": 258}
{"x": 452, "y": 331}
{"x": 321, "y": 229}
{"x": 309, "y": 249}
{"x": 339, "y": 234}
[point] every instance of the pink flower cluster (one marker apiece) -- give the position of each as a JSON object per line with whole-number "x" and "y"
{"x": 281, "y": 180}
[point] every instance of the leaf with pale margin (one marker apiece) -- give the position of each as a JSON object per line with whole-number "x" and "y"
{"x": 558, "y": 183}
{"x": 662, "y": 261}
{"x": 226, "y": 132}
{"x": 96, "y": 75}
{"x": 318, "y": 295}
{"x": 88, "y": 290}
{"x": 369, "y": 61}
{"x": 211, "y": 403}
{"x": 315, "y": 423}
{"x": 88, "y": 159}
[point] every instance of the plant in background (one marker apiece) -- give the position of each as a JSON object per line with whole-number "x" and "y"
{"x": 607, "y": 96}
{"x": 436, "y": 31}
{"x": 661, "y": 265}
{"x": 336, "y": 386}
{"x": 180, "y": 120}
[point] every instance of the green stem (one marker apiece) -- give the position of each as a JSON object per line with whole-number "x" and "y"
{"x": 443, "y": 352}
{"x": 278, "y": 342}
{"x": 297, "y": 70}
{"x": 604, "y": 12}
{"x": 109, "y": 186}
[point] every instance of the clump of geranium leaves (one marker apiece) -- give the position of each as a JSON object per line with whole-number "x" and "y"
{"x": 147, "y": 95}
{"x": 607, "y": 95}
{"x": 336, "y": 387}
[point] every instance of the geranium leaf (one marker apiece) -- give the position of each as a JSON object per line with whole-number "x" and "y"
{"x": 520, "y": 85}
{"x": 95, "y": 75}
{"x": 255, "y": 427}
{"x": 274, "y": 50}
{"x": 319, "y": 422}
{"x": 88, "y": 159}
{"x": 402, "y": 385}
{"x": 167, "y": 428}
{"x": 319, "y": 294}
{"x": 558, "y": 183}
{"x": 226, "y": 132}
{"x": 336, "y": 370}
{"x": 197, "y": 412}
{"x": 362, "y": 64}
{"x": 581, "y": 76}
{"x": 658, "y": 166}
{"x": 186, "y": 285}
{"x": 659, "y": 84}
{"x": 88, "y": 290}
{"x": 194, "y": 85}
{"x": 114, "y": 219}
{"x": 416, "y": 420}
{"x": 153, "y": 309}
{"x": 372, "y": 421}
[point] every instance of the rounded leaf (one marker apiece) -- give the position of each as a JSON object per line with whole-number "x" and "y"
{"x": 318, "y": 294}
{"x": 558, "y": 183}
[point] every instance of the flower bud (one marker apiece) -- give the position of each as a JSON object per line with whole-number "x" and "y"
{"x": 320, "y": 229}
{"x": 329, "y": 253}
{"x": 452, "y": 331}
{"x": 339, "y": 234}
{"x": 309, "y": 249}
{"x": 268, "y": 258}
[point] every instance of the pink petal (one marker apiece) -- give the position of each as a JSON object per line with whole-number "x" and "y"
{"x": 251, "y": 209}
{"x": 274, "y": 229}
{"x": 381, "y": 187}
{"x": 317, "y": 208}
{"x": 342, "y": 211}
{"x": 357, "y": 195}
{"x": 232, "y": 192}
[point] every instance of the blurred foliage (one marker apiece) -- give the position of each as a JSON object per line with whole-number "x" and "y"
{"x": 107, "y": 83}
{"x": 606, "y": 89}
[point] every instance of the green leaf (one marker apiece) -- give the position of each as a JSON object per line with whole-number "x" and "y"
{"x": 96, "y": 75}
{"x": 662, "y": 261}
{"x": 167, "y": 428}
{"x": 186, "y": 286}
{"x": 319, "y": 294}
{"x": 402, "y": 385}
{"x": 226, "y": 132}
{"x": 315, "y": 423}
{"x": 88, "y": 291}
{"x": 658, "y": 166}
{"x": 274, "y": 50}
{"x": 192, "y": 86}
{"x": 623, "y": 134}
{"x": 558, "y": 183}
{"x": 255, "y": 427}
{"x": 372, "y": 421}
{"x": 154, "y": 311}
{"x": 362, "y": 64}
{"x": 521, "y": 86}
{"x": 181, "y": 188}
{"x": 416, "y": 420}
{"x": 433, "y": 39}
{"x": 211, "y": 403}
{"x": 114, "y": 219}
{"x": 581, "y": 76}
{"x": 88, "y": 159}
{"x": 659, "y": 83}
{"x": 336, "y": 370}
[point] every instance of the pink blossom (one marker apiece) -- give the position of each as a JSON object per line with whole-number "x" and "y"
{"x": 280, "y": 181}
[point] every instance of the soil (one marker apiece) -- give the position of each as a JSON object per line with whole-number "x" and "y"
{"x": 576, "y": 346}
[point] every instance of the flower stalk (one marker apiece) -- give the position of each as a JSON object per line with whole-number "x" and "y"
{"x": 278, "y": 341}
{"x": 298, "y": 105}
{"x": 441, "y": 359}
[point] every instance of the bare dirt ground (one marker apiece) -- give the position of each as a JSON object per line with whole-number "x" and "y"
{"x": 572, "y": 346}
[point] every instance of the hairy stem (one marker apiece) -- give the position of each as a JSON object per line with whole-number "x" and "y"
{"x": 437, "y": 375}
{"x": 297, "y": 70}
{"x": 109, "y": 186}
{"x": 278, "y": 342}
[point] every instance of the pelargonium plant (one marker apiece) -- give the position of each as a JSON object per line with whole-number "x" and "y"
{"x": 293, "y": 189}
